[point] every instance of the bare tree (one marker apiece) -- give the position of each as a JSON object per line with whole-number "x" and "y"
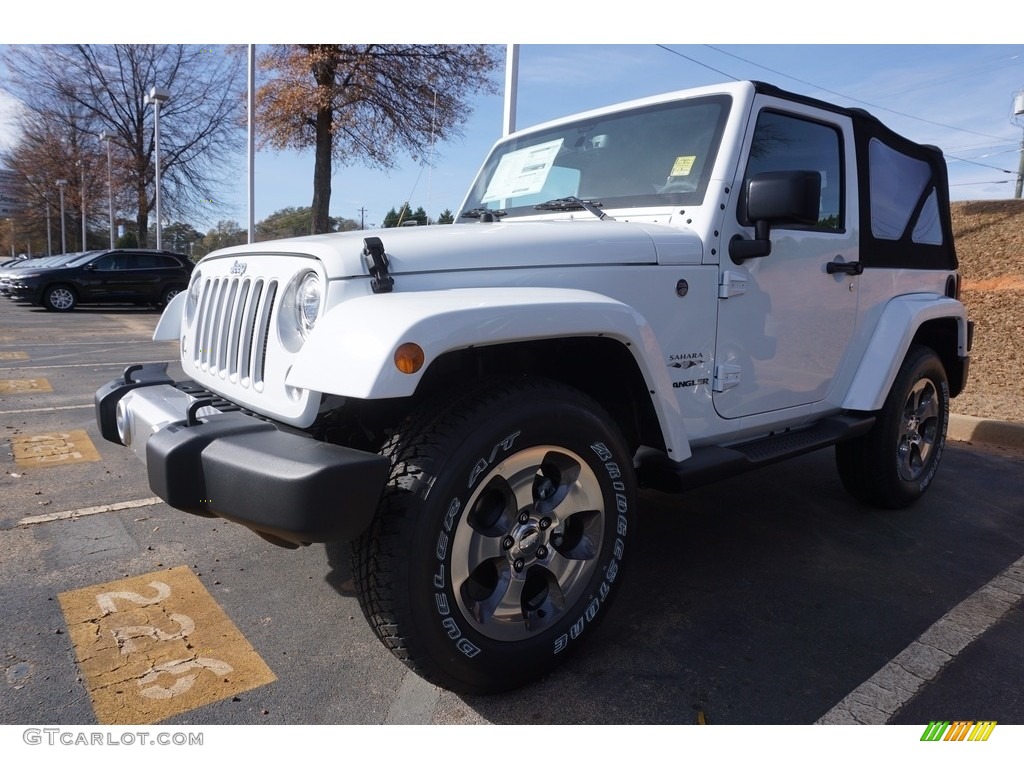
{"x": 48, "y": 150}
{"x": 363, "y": 103}
{"x": 105, "y": 87}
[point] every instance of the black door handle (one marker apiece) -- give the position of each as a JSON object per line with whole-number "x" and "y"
{"x": 846, "y": 267}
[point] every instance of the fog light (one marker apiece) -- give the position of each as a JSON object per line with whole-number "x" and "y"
{"x": 409, "y": 358}
{"x": 124, "y": 430}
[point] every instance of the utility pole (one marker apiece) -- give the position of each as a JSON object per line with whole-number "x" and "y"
{"x": 1020, "y": 172}
{"x": 362, "y": 218}
{"x": 1018, "y": 113}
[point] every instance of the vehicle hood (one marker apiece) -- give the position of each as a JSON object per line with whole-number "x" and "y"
{"x": 496, "y": 245}
{"x": 28, "y": 274}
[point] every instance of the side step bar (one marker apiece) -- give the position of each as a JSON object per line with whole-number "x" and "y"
{"x": 707, "y": 464}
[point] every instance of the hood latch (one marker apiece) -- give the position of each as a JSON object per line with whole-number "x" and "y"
{"x": 377, "y": 264}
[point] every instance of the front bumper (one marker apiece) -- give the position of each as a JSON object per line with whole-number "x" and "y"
{"x": 287, "y": 487}
{"x": 30, "y": 293}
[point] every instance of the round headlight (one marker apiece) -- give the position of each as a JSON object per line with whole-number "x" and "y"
{"x": 192, "y": 303}
{"x": 196, "y": 287}
{"x": 307, "y": 302}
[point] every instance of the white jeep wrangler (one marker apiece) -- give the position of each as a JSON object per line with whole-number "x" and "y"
{"x": 655, "y": 294}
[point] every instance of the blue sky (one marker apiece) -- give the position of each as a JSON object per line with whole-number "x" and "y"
{"x": 957, "y": 96}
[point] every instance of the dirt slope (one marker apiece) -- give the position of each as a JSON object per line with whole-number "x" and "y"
{"x": 989, "y": 239}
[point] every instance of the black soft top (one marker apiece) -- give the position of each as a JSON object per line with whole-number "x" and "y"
{"x": 903, "y": 251}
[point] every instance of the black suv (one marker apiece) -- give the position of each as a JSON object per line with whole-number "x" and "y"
{"x": 122, "y": 275}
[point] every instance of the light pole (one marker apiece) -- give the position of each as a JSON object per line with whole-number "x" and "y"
{"x": 511, "y": 88}
{"x": 81, "y": 165}
{"x": 156, "y": 97}
{"x": 61, "y": 183}
{"x": 106, "y": 137}
{"x": 49, "y": 243}
{"x": 251, "y": 148}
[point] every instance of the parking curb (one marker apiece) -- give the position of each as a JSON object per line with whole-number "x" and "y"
{"x": 971, "y": 429}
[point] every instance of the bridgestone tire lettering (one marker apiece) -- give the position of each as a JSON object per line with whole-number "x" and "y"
{"x": 500, "y": 539}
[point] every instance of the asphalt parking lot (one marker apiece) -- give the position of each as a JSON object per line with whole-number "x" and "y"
{"x": 772, "y": 598}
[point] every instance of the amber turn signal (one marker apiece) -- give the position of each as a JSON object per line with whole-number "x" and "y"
{"x": 409, "y": 358}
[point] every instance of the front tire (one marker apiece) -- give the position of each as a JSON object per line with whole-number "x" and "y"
{"x": 167, "y": 295}
{"x": 893, "y": 465}
{"x": 59, "y": 298}
{"x": 500, "y": 537}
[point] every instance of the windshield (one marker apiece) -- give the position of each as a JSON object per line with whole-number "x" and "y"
{"x": 651, "y": 156}
{"x": 43, "y": 262}
{"x": 46, "y": 262}
{"x": 30, "y": 262}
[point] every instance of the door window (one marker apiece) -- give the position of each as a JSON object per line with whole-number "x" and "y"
{"x": 787, "y": 143}
{"x": 107, "y": 263}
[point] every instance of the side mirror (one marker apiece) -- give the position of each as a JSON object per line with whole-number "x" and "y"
{"x": 772, "y": 198}
{"x": 89, "y": 266}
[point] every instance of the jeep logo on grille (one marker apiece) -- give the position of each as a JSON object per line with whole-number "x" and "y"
{"x": 238, "y": 268}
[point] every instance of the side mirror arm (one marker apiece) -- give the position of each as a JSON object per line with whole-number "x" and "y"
{"x": 741, "y": 249}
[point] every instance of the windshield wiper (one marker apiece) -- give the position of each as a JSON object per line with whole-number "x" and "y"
{"x": 486, "y": 214}
{"x": 573, "y": 203}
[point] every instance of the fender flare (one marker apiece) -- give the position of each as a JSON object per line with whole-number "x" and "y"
{"x": 351, "y": 350}
{"x": 168, "y": 328}
{"x": 897, "y": 326}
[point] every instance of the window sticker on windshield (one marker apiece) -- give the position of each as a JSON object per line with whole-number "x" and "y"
{"x": 683, "y": 165}
{"x": 522, "y": 172}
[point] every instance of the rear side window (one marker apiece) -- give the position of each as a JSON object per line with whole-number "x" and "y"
{"x": 166, "y": 262}
{"x": 898, "y": 186}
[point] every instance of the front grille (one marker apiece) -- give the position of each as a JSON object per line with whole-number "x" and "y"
{"x": 194, "y": 390}
{"x": 233, "y": 327}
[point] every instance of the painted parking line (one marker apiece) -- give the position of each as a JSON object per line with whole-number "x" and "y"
{"x": 71, "y": 514}
{"x": 13, "y": 355}
{"x": 4, "y": 339}
{"x": 157, "y": 645}
{"x": 878, "y": 699}
{"x": 98, "y": 364}
{"x": 19, "y": 386}
{"x": 53, "y": 449}
{"x": 51, "y": 408}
